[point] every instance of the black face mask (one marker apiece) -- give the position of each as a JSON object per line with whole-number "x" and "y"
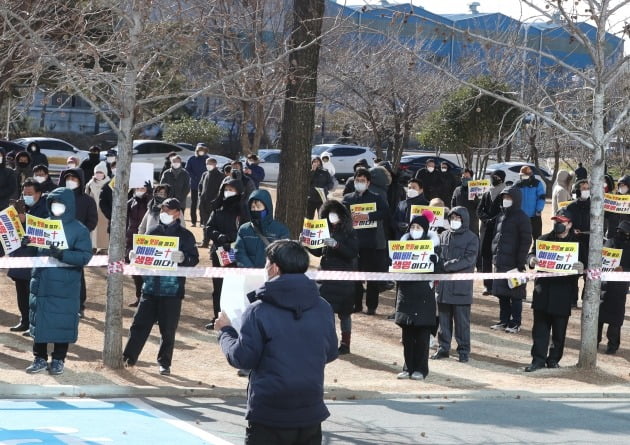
{"x": 23, "y": 164}
{"x": 559, "y": 228}
{"x": 158, "y": 199}
{"x": 258, "y": 215}
{"x": 496, "y": 181}
{"x": 94, "y": 156}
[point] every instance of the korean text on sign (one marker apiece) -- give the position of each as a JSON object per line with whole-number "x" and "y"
{"x": 477, "y": 188}
{"x": 314, "y": 232}
{"x": 556, "y": 256}
{"x": 45, "y": 232}
{"x": 155, "y": 252}
{"x": 617, "y": 203}
{"x": 611, "y": 259}
{"x": 438, "y": 212}
{"x": 11, "y": 230}
{"x": 366, "y": 208}
{"x": 411, "y": 256}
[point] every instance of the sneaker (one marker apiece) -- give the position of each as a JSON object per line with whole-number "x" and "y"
{"x": 344, "y": 349}
{"x": 441, "y": 353}
{"x": 403, "y": 375}
{"x": 210, "y": 326}
{"x": 38, "y": 365}
{"x": 127, "y": 362}
{"x": 19, "y": 328}
{"x": 417, "y": 376}
{"x": 552, "y": 364}
{"x": 56, "y": 367}
{"x": 513, "y": 329}
{"x": 486, "y": 292}
{"x": 165, "y": 370}
{"x": 499, "y": 326}
{"x": 243, "y": 372}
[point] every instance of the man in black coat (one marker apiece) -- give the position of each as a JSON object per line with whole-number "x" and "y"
{"x": 460, "y": 198}
{"x": 552, "y": 300}
{"x": 402, "y": 214}
{"x": 92, "y": 161}
{"x": 209, "y": 185}
{"x": 488, "y": 211}
{"x": 8, "y": 182}
{"x": 581, "y": 211}
{"x": 433, "y": 180}
{"x": 37, "y": 157}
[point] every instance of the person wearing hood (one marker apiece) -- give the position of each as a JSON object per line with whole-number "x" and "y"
{"x": 533, "y": 198}
{"x": 613, "y": 307}
{"x": 42, "y": 176}
{"x": 151, "y": 218}
{"x": 179, "y": 180}
{"x": 320, "y": 179}
{"x": 561, "y": 190}
{"x": 512, "y": 238}
{"x": 340, "y": 252}
{"x": 460, "y": 198}
{"x": 35, "y": 204}
{"x": 580, "y": 209}
{"x": 434, "y": 181}
{"x": 458, "y": 254}
{"x": 349, "y": 185}
{"x": 23, "y": 170}
{"x": 162, "y": 296}
{"x": 261, "y": 230}
{"x": 488, "y": 211}
{"x": 100, "y": 237}
{"x": 85, "y": 211}
{"x": 249, "y": 185}
{"x": 328, "y": 166}
{"x": 55, "y": 291}
{"x": 552, "y": 299}
{"x": 196, "y": 166}
{"x": 208, "y": 191}
{"x": 222, "y": 228}
{"x": 402, "y": 214}
{"x": 287, "y": 337}
{"x": 415, "y": 309}
{"x": 137, "y": 207}
{"x": 380, "y": 182}
{"x": 37, "y": 157}
{"x": 8, "y": 183}
{"x": 612, "y": 220}
{"x": 94, "y": 159}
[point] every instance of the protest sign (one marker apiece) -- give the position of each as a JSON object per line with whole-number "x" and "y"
{"x": 438, "y": 212}
{"x": 617, "y": 203}
{"x": 611, "y": 259}
{"x": 411, "y": 256}
{"x": 514, "y": 282}
{"x": 365, "y": 208}
{"x": 155, "y": 252}
{"x": 314, "y": 232}
{"x": 226, "y": 257}
{"x": 140, "y": 173}
{"x": 234, "y": 295}
{"x": 556, "y": 256}
{"x": 11, "y": 230}
{"x": 45, "y": 232}
{"x": 322, "y": 193}
{"x": 563, "y": 204}
{"x": 477, "y": 188}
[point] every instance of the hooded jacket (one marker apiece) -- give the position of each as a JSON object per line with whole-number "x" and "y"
{"x": 90, "y": 163}
{"x": 510, "y": 244}
{"x": 86, "y": 211}
{"x": 488, "y": 211}
{"x": 37, "y": 157}
{"x": 460, "y": 198}
{"x": 22, "y": 172}
{"x": 55, "y": 291}
{"x": 561, "y": 190}
{"x": 286, "y": 339}
{"x": 8, "y": 183}
{"x": 533, "y": 196}
{"x": 320, "y": 178}
{"x": 250, "y": 248}
{"x": 459, "y": 250}
{"x": 226, "y": 218}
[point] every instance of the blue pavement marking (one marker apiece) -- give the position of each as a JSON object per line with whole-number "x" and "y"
{"x": 94, "y": 422}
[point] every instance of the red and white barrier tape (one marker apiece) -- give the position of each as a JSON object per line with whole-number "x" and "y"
{"x": 220, "y": 272}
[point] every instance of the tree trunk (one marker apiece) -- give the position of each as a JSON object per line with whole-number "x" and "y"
{"x": 299, "y": 114}
{"x": 508, "y": 152}
{"x": 259, "y": 123}
{"x": 246, "y": 147}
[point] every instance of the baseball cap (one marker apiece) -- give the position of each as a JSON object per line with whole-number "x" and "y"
{"x": 172, "y": 204}
{"x": 562, "y": 215}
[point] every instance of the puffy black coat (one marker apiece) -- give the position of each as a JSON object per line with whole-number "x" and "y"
{"x": 320, "y": 178}
{"x": 488, "y": 211}
{"x": 8, "y": 183}
{"x": 512, "y": 238}
{"x": 39, "y": 209}
{"x": 580, "y": 211}
{"x": 613, "y": 307}
{"x": 224, "y": 221}
{"x": 340, "y": 294}
{"x": 37, "y": 157}
{"x": 460, "y": 198}
{"x": 86, "y": 211}
{"x": 459, "y": 249}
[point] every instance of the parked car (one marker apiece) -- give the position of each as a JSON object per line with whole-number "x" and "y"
{"x": 186, "y": 145}
{"x": 410, "y": 164}
{"x": 512, "y": 171}
{"x": 147, "y": 150}
{"x": 57, "y": 151}
{"x": 344, "y": 157}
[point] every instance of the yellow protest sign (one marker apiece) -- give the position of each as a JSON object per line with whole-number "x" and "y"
{"x": 611, "y": 259}
{"x": 438, "y": 212}
{"x": 314, "y": 232}
{"x": 365, "y": 208}
{"x": 45, "y": 232}
{"x": 617, "y": 203}
{"x": 155, "y": 252}
{"x": 11, "y": 230}
{"x": 411, "y": 256}
{"x": 556, "y": 256}
{"x": 477, "y": 188}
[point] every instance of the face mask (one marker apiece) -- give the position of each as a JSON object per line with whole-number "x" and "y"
{"x": 114, "y": 171}
{"x": 412, "y": 193}
{"x": 444, "y": 170}
{"x": 210, "y": 167}
{"x": 416, "y": 234}
{"x": 165, "y": 218}
{"x": 333, "y": 218}
{"x": 507, "y": 203}
{"x": 524, "y": 177}
{"x": 110, "y": 159}
{"x": 228, "y": 194}
{"x": 139, "y": 194}
{"x": 72, "y": 185}
{"x": 23, "y": 164}
{"x": 585, "y": 194}
{"x": 29, "y": 200}
{"x": 71, "y": 165}
{"x": 57, "y": 208}
{"x": 40, "y": 179}
{"x": 623, "y": 190}
{"x": 159, "y": 199}
{"x": 496, "y": 181}
{"x": 559, "y": 228}
{"x": 360, "y": 186}
{"x": 430, "y": 169}
{"x": 33, "y": 149}
{"x": 465, "y": 181}
{"x": 258, "y": 215}
{"x": 99, "y": 176}
{"x": 1, "y": 159}
{"x": 176, "y": 165}
{"x": 201, "y": 153}
{"x": 455, "y": 224}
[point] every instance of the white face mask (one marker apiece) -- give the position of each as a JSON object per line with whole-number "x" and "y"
{"x": 57, "y": 208}
{"x": 333, "y": 218}
{"x": 71, "y": 165}
{"x": 210, "y": 167}
{"x": 165, "y": 218}
{"x": 416, "y": 234}
{"x": 412, "y": 193}
{"x": 110, "y": 159}
{"x": 524, "y": 177}
{"x": 40, "y": 179}
{"x": 72, "y": 185}
{"x": 585, "y": 194}
{"x": 623, "y": 190}
{"x": 99, "y": 176}
{"x": 444, "y": 170}
{"x": 507, "y": 203}
{"x": 139, "y": 194}
{"x": 33, "y": 149}
{"x": 228, "y": 194}
{"x": 360, "y": 186}
{"x": 176, "y": 165}
{"x": 430, "y": 169}
{"x": 455, "y": 224}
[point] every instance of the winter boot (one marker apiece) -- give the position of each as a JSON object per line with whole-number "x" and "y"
{"x": 344, "y": 346}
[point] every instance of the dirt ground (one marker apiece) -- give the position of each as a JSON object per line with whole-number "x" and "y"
{"x": 497, "y": 358}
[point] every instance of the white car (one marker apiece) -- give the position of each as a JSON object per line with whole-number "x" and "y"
{"x": 57, "y": 150}
{"x": 270, "y": 162}
{"x": 344, "y": 156}
{"x": 155, "y": 152}
{"x": 512, "y": 171}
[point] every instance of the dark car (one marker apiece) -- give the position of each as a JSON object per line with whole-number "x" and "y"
{"x": 409, "y": 165}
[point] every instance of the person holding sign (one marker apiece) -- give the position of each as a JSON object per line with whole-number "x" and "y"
{"x": 402, "y": 214}
{"x": 461, "y": 198}
{"x": 613, "y": 219}
{"x": 488, "y": 211}
{"x": 162, "y": 296}
{"x": 552, "y": 299}
{"x": 321, "y": 183}
{"x": 55, "y": 291}
{"x": 371, "y": 233}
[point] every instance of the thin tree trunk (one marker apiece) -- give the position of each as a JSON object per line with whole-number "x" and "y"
{"x": 243, "y": 134}
{"x": 299, "y": 114}
{"x": 259, "y": 121}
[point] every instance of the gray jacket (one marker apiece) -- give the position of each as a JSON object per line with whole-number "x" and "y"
{"x": 459, "y": 250}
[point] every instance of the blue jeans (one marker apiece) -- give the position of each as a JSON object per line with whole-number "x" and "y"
{"x": 510, "y": 310}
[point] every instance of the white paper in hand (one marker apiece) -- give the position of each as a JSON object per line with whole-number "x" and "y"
{"x": 234, "y": 295}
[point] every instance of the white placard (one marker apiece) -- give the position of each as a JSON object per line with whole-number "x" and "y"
{"x": 140, "y": 173}
{"x": 234, "y": 295}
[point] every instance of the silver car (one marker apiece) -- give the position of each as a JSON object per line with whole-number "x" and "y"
{"x": 57, "y": 150}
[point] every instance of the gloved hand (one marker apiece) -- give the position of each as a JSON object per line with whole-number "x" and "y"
{"x": 433, "y": 258}
{"x": 132, "y": 256}
{"x": 533, "y": 261}
{"x": 177, "y": 256}
{"x": 25, "y": 241}
{"x": 223, "y": 239}
{"x": 56, "y": 253}
{"x": 579, "y": 267}
{"x": 521, "y": 268}
{"x": 331, "y": 242}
